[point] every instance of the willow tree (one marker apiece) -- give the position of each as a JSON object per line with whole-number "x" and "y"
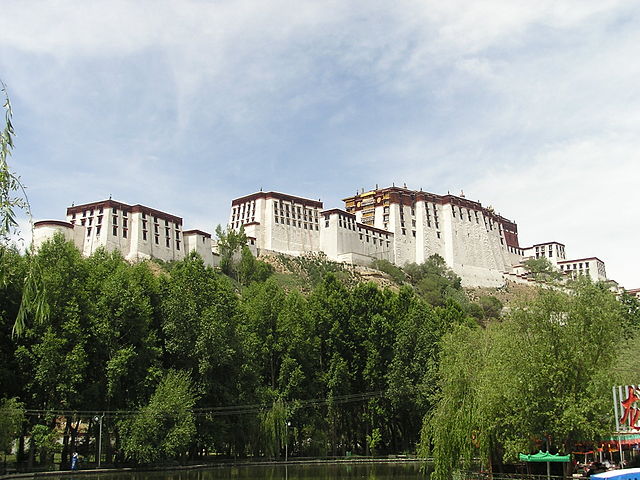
{"x": 13, "y": 198}
{"x": 539, "y": 379}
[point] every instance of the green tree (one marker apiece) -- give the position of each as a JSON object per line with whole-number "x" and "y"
{"x": 12, "y": 417}
{"x": 230, "y": 245}
{"x": 53, "y": 354}
{"x": 390, "y": 269}
{"x": 13, "y": 197}
{"x": 165, "y": 427}
{"x": 543, "y": 374}
{"x": 433, "y": 280}
{"x": 541, "y": 269}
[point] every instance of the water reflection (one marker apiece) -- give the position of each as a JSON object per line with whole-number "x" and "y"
{"x": 375, "y": 471}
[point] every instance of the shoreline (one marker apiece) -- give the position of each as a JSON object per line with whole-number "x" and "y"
{"x": 202, "y": 466}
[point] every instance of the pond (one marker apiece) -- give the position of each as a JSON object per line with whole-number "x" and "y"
{"x": 364, "y": 471}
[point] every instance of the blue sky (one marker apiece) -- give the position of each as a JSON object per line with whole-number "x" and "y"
{"x": 531, "y": 107}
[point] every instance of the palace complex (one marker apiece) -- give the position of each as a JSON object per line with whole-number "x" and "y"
{"x": 395, "y": 224}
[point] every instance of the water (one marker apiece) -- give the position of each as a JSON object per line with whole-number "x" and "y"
{"x": 373, "y": 471}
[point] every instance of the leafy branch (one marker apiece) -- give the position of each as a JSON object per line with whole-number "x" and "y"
{"x": 13, "y": 195}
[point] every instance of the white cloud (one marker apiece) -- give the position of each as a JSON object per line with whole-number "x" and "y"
{"x": 183, "y": 104}
{"x": 579, "y": 193}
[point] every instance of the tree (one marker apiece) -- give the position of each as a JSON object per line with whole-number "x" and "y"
{"x": 541, "y": 269}
{"x": 12, "y": 417}
{"x": 165, "y": 427}
{"x": 542, "y": 375}
{"x": 230, "y": 244}
{"x": 14, "y": 196}
{"x": 390, "y": 269}
{"x": 434, "y": 280}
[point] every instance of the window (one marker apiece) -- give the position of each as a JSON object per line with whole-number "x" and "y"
{"x": 144, "y": 235}
{"x": 88, "y": 231}
{"x": 404, "y": 232}
{"x": 98, "y": 230}
{"x": 115, "y": 231}
{"x": 157, "y": 240}
{"x": 124, "y": 213}
{"x": 82, "y": 221}
{"x": 115, "y": 220}
{"x": 124, "y": 222}
{"x": 124, "y": 233}
{"x": 414, "y": 233}
{"x": 438, "y": 234}
{"x": 177, "y": 244}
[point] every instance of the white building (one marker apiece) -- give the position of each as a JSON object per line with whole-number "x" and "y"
{"x": 478, "y": 244}
{"x": 136, "y": 231}
{"x": 344, "y": 239}
{"x": 591, "y": 267}
{"x": 395, "y": 224}
{"x": 402, "y": 226}
{"x": 552, "y": 251}
{"x": 278, "y": 222}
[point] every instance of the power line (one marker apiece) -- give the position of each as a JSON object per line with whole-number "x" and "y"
{"x": 214, "y": 411}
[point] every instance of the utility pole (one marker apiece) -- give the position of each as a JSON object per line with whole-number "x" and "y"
{"x": 99, "y": 419}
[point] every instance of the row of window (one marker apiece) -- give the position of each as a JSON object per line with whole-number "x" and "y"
{"x": 574, "y": 266}
{"x": 579, "y": 266}
{"x": 468, "y": 211}
{"x": 541, "y": 251}
{"x": 296, "y": 223}
{"x": 243, "y": 211}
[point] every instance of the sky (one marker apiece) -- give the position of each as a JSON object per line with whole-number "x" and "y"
{"x": 530, "y": 107}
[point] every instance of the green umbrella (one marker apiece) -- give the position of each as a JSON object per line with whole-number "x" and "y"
{"x": 545, "y": 457}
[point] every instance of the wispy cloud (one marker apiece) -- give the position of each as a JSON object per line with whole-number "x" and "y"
{"x": 184, "y": 104}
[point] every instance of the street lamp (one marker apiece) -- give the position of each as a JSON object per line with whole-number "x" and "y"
{"x": 286, "y": 443}
{"x": 99, "y": 419}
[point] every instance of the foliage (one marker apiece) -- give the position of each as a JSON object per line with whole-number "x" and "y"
{"x": 433, "y": 280}
{"x": 230, "y": 243}
{"x": 313, "y": 267}
{"x": 45, "y": 439}
{"x": 165, "y": 427}
{"x": 541, "y": 269}
{"x": 353, "y": 367}
{"x": 236, "y": 259}
{"x": 14, "y": 196}
{"x": 491, "y": 306}
{"x": 274, "y": 428}
{"x": 542, "y": 374}
{"x": 12, "y": 417}
{"x": 390, "y": 269}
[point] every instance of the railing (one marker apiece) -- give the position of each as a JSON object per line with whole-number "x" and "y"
{"x": 505, "y": 476}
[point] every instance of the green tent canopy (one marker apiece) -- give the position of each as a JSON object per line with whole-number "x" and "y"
{"x": 545, "y": 457}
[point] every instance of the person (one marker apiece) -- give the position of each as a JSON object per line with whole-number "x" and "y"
{"x": 74, "y": 461}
